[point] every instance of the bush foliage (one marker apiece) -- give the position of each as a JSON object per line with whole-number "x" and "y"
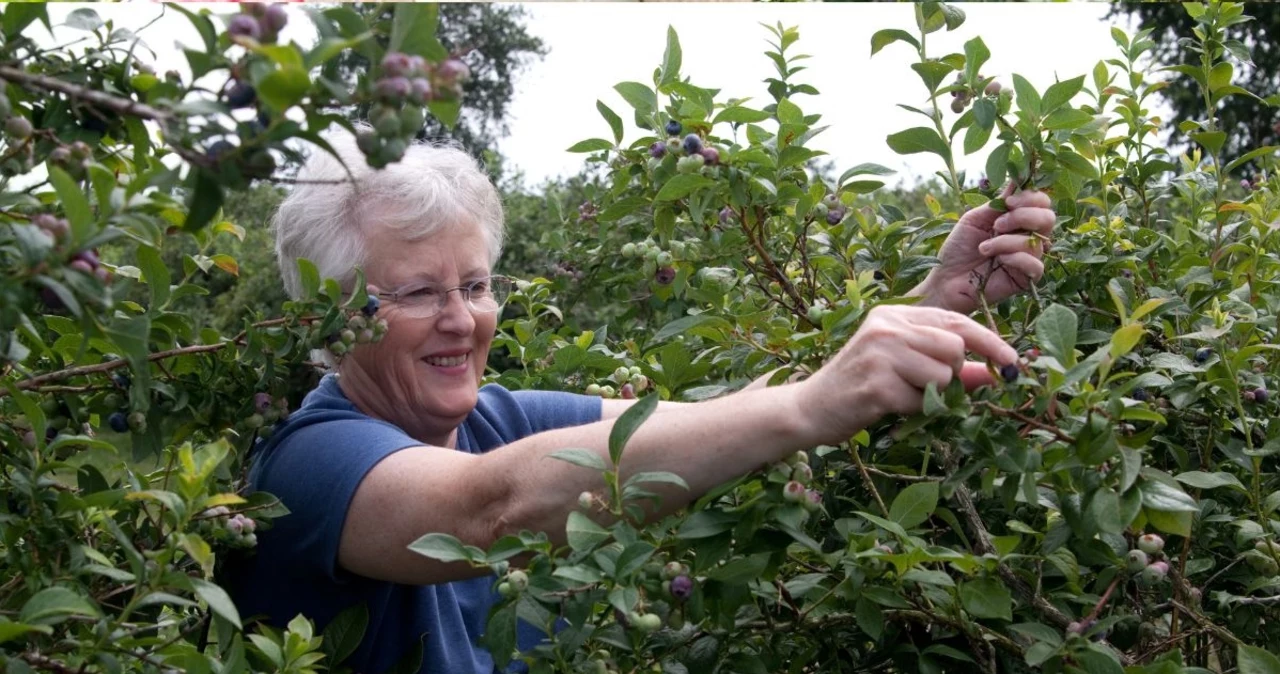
{"x": 1111, "y": 507}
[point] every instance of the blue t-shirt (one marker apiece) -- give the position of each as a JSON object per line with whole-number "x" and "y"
{"x": 313, "y": 464}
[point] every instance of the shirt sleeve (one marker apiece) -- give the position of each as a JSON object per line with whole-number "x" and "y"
{"x": 315, "y": 471}
{"x": 547, "y": 410}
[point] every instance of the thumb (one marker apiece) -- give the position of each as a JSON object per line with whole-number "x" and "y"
{"x": 974, "y": 375}
{"x": 1009, "y": 189}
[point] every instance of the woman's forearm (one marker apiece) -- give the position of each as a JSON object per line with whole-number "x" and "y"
{"x": 706, "y": 444}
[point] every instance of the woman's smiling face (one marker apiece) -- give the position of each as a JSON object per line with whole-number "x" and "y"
{"x": 424, "y": 375}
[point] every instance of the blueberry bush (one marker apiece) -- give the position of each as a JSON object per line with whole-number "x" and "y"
{"x": 1109, "y": 506}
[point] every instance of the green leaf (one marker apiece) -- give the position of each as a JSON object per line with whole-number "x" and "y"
{"x": 580, "y": 457}
{"x": 741, "y": 570}
{"x": 626, "y": 424}
{"x": 413, "y": 31}
{"x": 662, "y": 477}
{"x": 19, "y": 15}
{"x": 1094, "y": 660}
{"x": 706, "y": 523}
{"x": 975, "y": 54}
{"x": 156, "y": 273}
{"x": 919, "y": 139}
{"x": 310, "y": 277}
{"x": 84, "y": 19}
{"x": 1202, "y": 480}
{"x": 206, "y": 199}
{"x": 670, "y": 59}
{"x": 53, "y": 605}
{"x": 285, "y": 87}
{"x": 681, "y": 185}
{"x": 997, "y": 162}
{"x": 590, "y": 145}
{"x": 1060, "y": 93}
{"x": 584, "y": 534}
{"x": 1056, "y": 330}
{"x": 1027, "y": 97}
{"x": 639, "y": 96}
{"x": 888, "y": 36}
{"x": 914, "y": 504}
{"x": 74, "y": 203}
{"x": 343, "y": 634}
{"x": 1220, "y": 76}
{"x": 1211, "y": 140}
{"x": 987, "y": 598}
{"x": 1068, "y": 118}
{"x": 11, "y": 630}
{"x": 789, "y": 113}
{"x": 632, "y": 558}
{"x": 740, "y": 115}
{"x": 932, "y": 73}
{"x": 441, "y": 547}
{"x": 1170, "y": 523}
{"x": 218, "y": 600}
{"x": 976, "y": 137}
{"x": 615, "y": 122}
{"x": 1104, "y": 510}
{"x": 1249, "y": 156}
{"x": 1254, "y": 660}
{"x": 1157, "y": 495}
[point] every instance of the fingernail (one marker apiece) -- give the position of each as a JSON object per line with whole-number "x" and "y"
{"x": 1000, "y": 222}
{"x": 984, "y": 247}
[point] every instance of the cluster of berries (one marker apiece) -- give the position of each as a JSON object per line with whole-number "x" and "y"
{"x": 961, "y": 98}
{"x": 830, "y": 209}
{"x": 1147, "y": 561}
{"x": 74, "y": 159}
{"x": 517, "y": 581}
{"x": 797, "y": 474}
{"x": 1257, "y": 184}
{"x": 693, "y": 153}
{"x": 567, "y": 270}
{"x": 630, "y": 381}
{"x": 361, "y": 328}
{"x": 408, "y": 83}
{"x": 258, "y": 22}
{"x": 240, "y": 529}
{"x": 17, "y": 131}
{"x": 1258, "y": 395}
{"x": 676, "y": 582}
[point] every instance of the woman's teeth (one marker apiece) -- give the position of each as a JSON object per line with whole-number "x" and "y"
{"x": 452, "y": 361}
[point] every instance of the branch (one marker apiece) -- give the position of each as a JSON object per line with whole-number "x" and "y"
{"x": 982, "y": 541}
{"x": 111, "y": 365}
{"x": 121, "y": 106}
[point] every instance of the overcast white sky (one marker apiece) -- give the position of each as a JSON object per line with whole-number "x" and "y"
{"x": 593, "y": 46}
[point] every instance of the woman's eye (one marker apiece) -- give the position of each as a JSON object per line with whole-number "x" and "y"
{"x": 421, "y": 292}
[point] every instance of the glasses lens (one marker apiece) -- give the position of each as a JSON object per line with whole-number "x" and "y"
{"x": 490, "y": 294}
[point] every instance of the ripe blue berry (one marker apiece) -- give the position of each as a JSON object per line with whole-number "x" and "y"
{"x": 681, "y": 587}
{"x": 1140, "y": 394}
{"x": 658, "y": 150}
{"x": 674, "y": 128}
{"x": 1260, "y": 395}
{"x": 241, "y": 95}
{"x": 1202, "y": 354}
{"x": 118, "y": 422}
{"x": 275, "y": 18}
{"x": 371, "y": 307}
{"x": 664, "y": 276}
{"x": 1009, "y": 372}
{"x": 120, "y": 380}
{"x": 692, "y": 144}
{"x": 243, "y": 25}
{"x": 834, "y": 216}
{"x": 711, "y": 154}
{"x": 984, "y": 185}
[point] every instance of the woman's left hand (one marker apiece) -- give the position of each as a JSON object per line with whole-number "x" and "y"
{"x": 1015, "y": 240}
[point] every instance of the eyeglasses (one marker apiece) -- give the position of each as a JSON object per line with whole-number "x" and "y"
{"x": 423, "y": 300}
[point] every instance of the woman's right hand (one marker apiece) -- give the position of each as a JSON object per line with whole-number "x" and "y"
{"x": 886, "y": 365}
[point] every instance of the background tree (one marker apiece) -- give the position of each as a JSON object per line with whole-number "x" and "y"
{"x": 1249, "y": 123}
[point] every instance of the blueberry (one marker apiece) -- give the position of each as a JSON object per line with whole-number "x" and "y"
{"x": 674, "y": 128}
{"x": 18, "y": 127}
{"x": 834, "y": 216}
{"x": 664, "y": 276}
{"x": 371, "y": 307}
{"x": 242, "y": 95}
{"x": 120, "y": 380}
{"x": 1139, "y": 394}
{"x": 692, "y": 144}
{"x": 681, "y": 587}
{"x": 1009, "y": 372}
{"x": 243, "y": 25}
{"x": 220, "y": 149}
{"x": 1260, "y": 395}
{"x": 1202, "y": 354}
{"x": 118, "y": 422}
{"x": 658, "y": 150}
{"x": 396, "y": 64}
{"x": 711, "y": 155}
{"x": 984, "y": 185}
{"x": 275, "y": 18}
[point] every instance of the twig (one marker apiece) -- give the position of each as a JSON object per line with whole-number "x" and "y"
{"x": 1054, "y": 430}
{"x": 857, "y": 459}
{"x": 121, "y": 106}
{"x": 1208, "y": 625}
{"x": 901, "y": 476}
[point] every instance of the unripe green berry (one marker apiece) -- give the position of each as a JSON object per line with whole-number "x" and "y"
{"x": 664, "y": 259}
{"x": 1150, "y": 543}
{"x": 519, "y": 580}
{"x": 1136, "y": 561}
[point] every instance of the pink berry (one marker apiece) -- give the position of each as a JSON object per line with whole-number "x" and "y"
{"x": 243, "y": 25}
{"x": 793, "y": 492}
{"x": 396, "y": 64}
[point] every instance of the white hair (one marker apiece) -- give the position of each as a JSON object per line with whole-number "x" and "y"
{"x": 434, "y": 186}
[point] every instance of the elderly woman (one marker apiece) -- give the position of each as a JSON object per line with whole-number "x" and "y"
{"x": 402, "y": 441}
